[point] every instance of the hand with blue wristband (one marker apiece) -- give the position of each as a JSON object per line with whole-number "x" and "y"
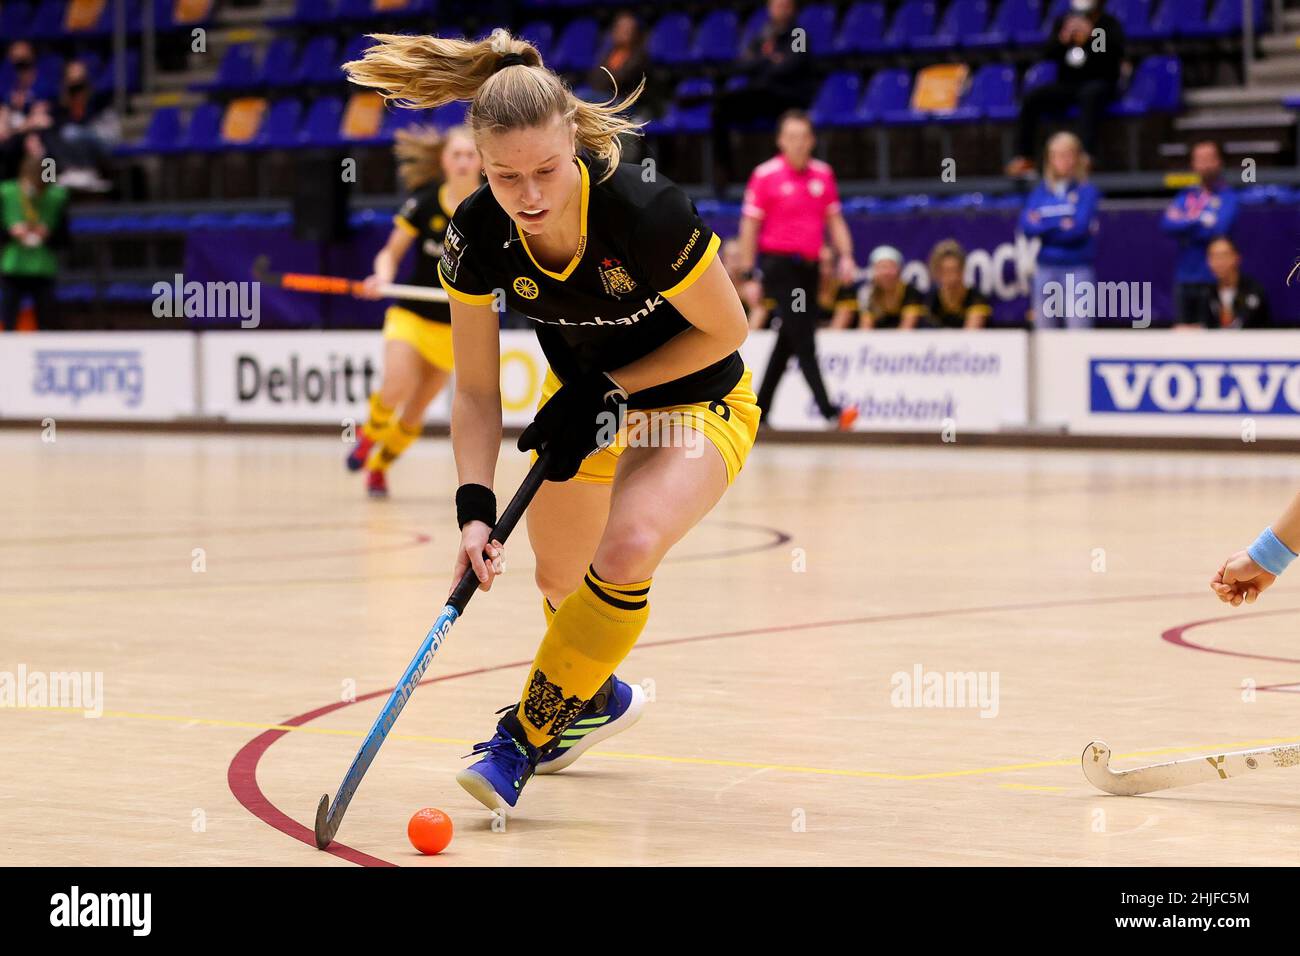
{"x": 1247, "y": 573}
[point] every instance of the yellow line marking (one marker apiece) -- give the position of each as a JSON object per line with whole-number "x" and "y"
{"x": 697, "y": 761}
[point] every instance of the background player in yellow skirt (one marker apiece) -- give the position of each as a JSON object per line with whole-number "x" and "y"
{"x": 636, "y": 314}
{"x": 438, "y": 171}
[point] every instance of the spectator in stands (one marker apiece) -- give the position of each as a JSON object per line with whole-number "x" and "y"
{"x": 951, "y": 303}
{"x": 22, "y": 112}
{"x": 1238, "y": 301}
{"x": 790, "y": 204}
{"x": 888, "y": 302}
{"x": 779, "y": 78}
{"x": 837, "y": 300}
{"x": 85, "y": 130}
{"x": 32, "y": 212}
{"x": 1062, "y": 213}
{"x": 1087, "y": 46}
{"x": 623, "y": 57}
{"x": 1197, "y": 216}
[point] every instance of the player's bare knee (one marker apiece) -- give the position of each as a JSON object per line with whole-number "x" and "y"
{"x": 629, "y": 553}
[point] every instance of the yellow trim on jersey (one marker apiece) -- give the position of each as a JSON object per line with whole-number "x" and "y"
{"x": 402, "y": 223}
{"x": 486, "y": 299}
{"x": 698, "y": 270}
{"x": 585, "y": 187}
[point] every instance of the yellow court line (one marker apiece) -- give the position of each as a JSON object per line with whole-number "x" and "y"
{"x": 699, "y": 761}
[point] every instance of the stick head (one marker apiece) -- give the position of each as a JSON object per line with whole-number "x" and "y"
{"x": 324, "y": 832}
{"x": 1098, "y": 754}
{"x": 1096, "y": 768}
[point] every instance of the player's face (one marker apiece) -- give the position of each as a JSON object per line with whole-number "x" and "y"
{"x": 885, "y": 273}
{"x": 948, "y": 273}
{"x": 795, "y": 141}
{"x": 1206, "y": 163}
{"x": 460, "y": 158}
{"x": 1223, "y": 260}
{"x": 1063, "y": 158}
{"x": 532, "y": 173}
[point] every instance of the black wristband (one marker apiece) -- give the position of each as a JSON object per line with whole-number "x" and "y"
{"x": 475, "y": 503}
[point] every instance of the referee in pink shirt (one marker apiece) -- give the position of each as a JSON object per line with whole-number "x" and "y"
{"x": 790, "y": 202}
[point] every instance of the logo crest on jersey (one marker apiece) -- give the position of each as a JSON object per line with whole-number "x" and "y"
{"x": 438, "y": 223}
{"x": 453, "y": 247}
{"x": 525, "y": 287}
{"x": 614, "y": 277}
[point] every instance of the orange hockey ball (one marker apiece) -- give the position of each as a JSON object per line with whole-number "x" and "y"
{"x": 429, "y": 830}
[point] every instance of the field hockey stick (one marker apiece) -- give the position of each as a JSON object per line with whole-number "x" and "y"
{"x": 328, "y": 818}
{"x": 1182, "y": 773}
{"x": 338, "y": 285}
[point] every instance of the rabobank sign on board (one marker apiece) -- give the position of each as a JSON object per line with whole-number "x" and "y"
{"x": 1186, "y": 386}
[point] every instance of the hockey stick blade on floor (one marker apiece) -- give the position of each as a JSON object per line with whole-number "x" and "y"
{"x": 329, "y": 817}
{"x": 1182, "y": 773}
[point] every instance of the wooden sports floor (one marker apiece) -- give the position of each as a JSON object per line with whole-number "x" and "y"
{"x": 235, "y": 592}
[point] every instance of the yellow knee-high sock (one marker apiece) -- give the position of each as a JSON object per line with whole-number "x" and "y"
{"x": 381, "y": 417}
{"x": 395, "y": 440}
{"x": 593, "y": 629}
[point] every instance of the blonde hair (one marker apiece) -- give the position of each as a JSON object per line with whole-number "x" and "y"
{"x": 1081, "y": 167}
{"x": 418, "y": 150}
{"x": 942, "y": 250}
{"x": 421, "y": 72}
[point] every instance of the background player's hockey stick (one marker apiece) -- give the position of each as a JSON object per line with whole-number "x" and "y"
{"x": 328, "y": 818}
{"x": 337, "y": 285}
{"x": 1181, "y": 773}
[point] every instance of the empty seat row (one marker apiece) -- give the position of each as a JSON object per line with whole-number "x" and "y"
{"x": 59, "y": 19}
{"x": 940, "y": 93}
{"x": 253, "y": 123}
{"x": 285, "y": 63}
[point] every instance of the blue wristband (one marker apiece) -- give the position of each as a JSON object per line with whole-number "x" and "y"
{"x": 1270, "y": 553}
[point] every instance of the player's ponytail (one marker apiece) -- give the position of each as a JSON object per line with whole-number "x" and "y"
{"x": 421, "y": 72}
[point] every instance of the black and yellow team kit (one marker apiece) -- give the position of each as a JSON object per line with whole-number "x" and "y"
{"x": 641, "y": 243}
{"x": 425, "y": 326}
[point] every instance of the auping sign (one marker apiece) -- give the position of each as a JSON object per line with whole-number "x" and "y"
{"x": 1169, "y": 386}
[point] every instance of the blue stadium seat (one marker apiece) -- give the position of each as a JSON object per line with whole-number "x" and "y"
{"x": 237, "y": 70}
{"x": 753, "y": 27}
{"x": 396, "y": 118}
{"x": 319, "y": 62}
{"x": 836, "y": 102}
{"x": 354, "y": 10}
{"x": 1168, "y": 18}
{"x": 576, "y": 47}
{"x": 1040, "y": 74}
{"x": 449, "y": 114}
{"x": 863, "y": 29}
{"x": 716, "y": 38}
{"x": 1036, "y": 36}
{"x": 1135, "y": 17}
{"x": 963, "y": 18}
{"x": 888, "y": 92}
{"x": 278, "y": 62}
{"x": 355, "y": 49}
{"x": 321, "y": 128}
{"x": 1013, "y": 17}
{"x": 47, "y": 21}
{"x": 690, "y": 112}
{"x": 204, "y": 131}
{"x": 540, "y": 35}
{"x": 818, "y": 23}
{"x": 15, "y": 20}
{"x": 1157, "y": 87}
{"x": 670, "y": 39}
{"x": 990, "y": 95}
{"x": 105, "y": 79}
{"x": 280, "y": 127}
{"x": 914, "y": 19}
{"x": 161, "y": 135}
{"x": 49, "y": 75}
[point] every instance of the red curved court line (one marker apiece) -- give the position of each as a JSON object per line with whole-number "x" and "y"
{"x": 1175, "y": 636}
{"x": 242, "y": 773}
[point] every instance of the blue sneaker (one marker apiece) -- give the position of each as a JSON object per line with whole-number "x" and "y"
{"x": 508, "y": 761}
{"x": 613, "y": 709}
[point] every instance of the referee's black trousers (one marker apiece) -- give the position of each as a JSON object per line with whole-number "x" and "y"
{"x": 792, "y": 283}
